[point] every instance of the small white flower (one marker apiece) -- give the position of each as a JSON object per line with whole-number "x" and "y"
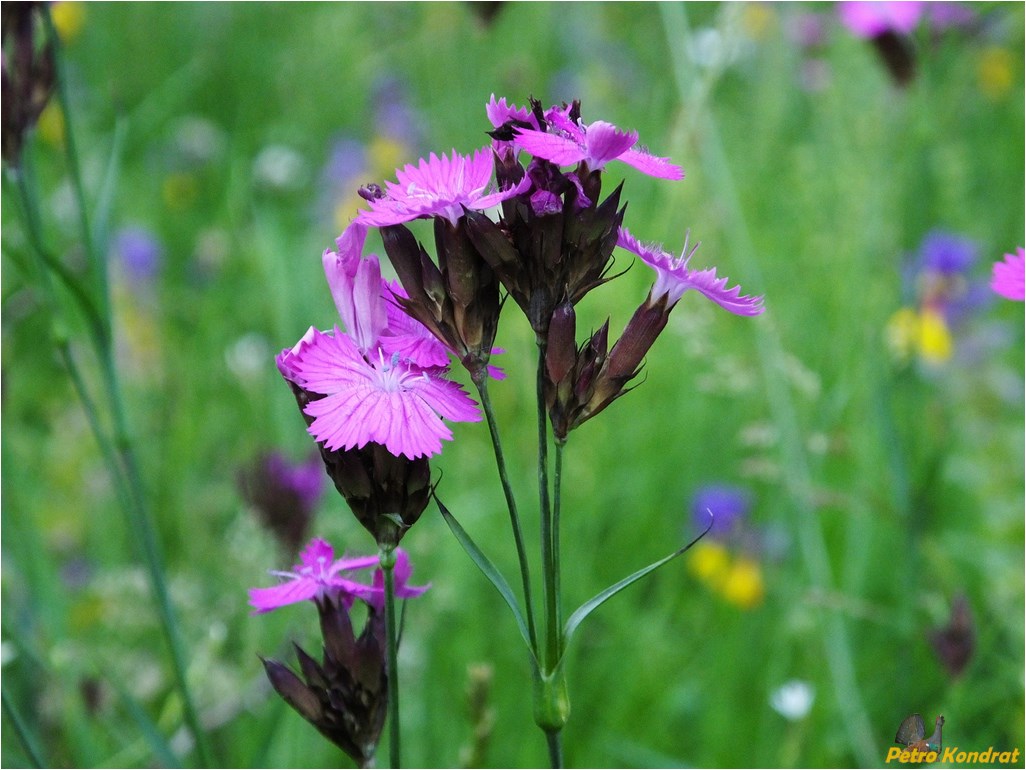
{"x": 793, "y": 699}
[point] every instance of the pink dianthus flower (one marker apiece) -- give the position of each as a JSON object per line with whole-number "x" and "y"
{"x": 1008, "y": 278}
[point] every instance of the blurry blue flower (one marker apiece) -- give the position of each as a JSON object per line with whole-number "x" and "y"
{"x": 394, "y": 116}
{"x": 946, "y": 253}
{"x": 140, "y": 254}
{"x": 729, "y": 506}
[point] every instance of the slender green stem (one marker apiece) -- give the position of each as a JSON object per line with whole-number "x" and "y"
{"x": 75, "y": 172}
{"x": 481, "y": 381}
{"x": 555, "y": 743}
{"x": 549, "y": 578}
{"x": 387, "y": 561}
{"x": 557, "y": 482}
{"x": 28, "y": 742}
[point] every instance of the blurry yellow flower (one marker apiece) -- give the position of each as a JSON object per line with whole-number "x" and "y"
{"x": 179, "y": 190}
{"x": 68, "y": 19}
{"x": 51, "y": 125}
{"x": 743, "y": 585}
{"x": 925, "y": 334}
{"x": 347, "y": 208}
{"x": 901, "y": 334}
{"x": 934, "y": 337}
{"x": 994, "y": 71}
{"x": 710, "y": 562}
{"x": 385, "y": 155}
{"x": 758, "y": 19}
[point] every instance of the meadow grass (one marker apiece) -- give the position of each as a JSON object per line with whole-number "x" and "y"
{"x": 879, "y": 492}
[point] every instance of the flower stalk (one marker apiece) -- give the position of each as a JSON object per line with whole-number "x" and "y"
{"x": 386, "y": 559}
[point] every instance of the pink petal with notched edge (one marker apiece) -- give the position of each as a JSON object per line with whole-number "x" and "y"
{"x": 387, "y": 402}
{"x": 605, "y": 142}
{"x": 561, "y": 150}
{"x": 673, "y": 278}
{"x": 654, "y": 166}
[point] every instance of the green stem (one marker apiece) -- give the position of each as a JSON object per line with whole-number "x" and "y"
{"x": 24, "y": 736}
{"x": 549, "y": 578}
{"x": 481, "y": 381}
{"x": 387, "y": 560}
{"x": 98, "y": 267}
{"x": 557, "y": 482}
{"x": 555, "y": 743}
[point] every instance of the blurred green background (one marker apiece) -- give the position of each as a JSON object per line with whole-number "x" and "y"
{"x": 882, "y": 485}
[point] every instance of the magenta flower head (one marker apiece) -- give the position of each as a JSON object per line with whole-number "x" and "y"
{"x": 1007, "y": 278}
{"x": 436, "y": 187}
{"x": 871, "y": 18}
{"x": 317, "y": 576}
{"x": 567, "y": 143}
{"x": 320, "y": 576}
{"x": 376, "y": 400}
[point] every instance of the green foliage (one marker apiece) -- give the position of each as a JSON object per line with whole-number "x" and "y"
{"x": 911, "y": 480}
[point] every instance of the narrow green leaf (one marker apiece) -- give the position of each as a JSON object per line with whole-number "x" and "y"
{"x": 151, "y": 733}
{"x": 592, "y": 604}
{"x": 25, "y": 737}
{"x": 101, "y": 219}
{"x": 491, "y": 572}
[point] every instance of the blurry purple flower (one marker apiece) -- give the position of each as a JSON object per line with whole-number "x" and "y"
{"x": 596, "y": 144}
{"x": 1007, "y": 278}
{"x": 393, "y": 115}
{"x": 346, "y": 160}
{"x": 946, "y": 253}
{"x": 674, "y": 278}
{"x": 140, "y": 252}
{"x": 729, "y": 506}
{"x": 806, "y": 30}
{"x": 437, "y": 187}
{"x": 389, "y": 402}
{"x": 305, "y": 479}
{"x": 872, "y": 18}
{"x": 284, "y": 495}
{"x": 315, "y": 577}
{"x": 944, "y": 15}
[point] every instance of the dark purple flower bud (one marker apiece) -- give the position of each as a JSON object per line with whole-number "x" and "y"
{"x": 284, "y": 495}
{"x": 561, "y": 351}
{"x": 955, "y": 642}
{"x": 346, "y": 696}
{"x": 28, "y": 74}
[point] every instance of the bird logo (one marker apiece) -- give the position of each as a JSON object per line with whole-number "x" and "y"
{"x": 913, "y": 731}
